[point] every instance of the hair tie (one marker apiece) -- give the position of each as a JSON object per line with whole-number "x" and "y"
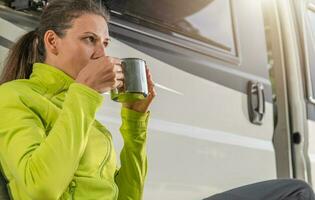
{"x": 36, "y": 31}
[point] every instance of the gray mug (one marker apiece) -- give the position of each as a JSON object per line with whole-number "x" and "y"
{"x": 135, "y": 83}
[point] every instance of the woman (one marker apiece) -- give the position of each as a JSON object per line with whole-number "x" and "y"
{"x": 51, "y": 146}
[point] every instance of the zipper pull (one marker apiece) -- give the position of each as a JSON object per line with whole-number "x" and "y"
{"x": 72, "y": 188}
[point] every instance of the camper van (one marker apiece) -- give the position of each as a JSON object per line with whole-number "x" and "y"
{"x": 235, "y": 81}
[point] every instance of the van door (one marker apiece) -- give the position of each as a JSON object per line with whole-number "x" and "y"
{"x": 202, "y": 55}
{"x": 304, "y": 149}
{"x": 310, "y": 56}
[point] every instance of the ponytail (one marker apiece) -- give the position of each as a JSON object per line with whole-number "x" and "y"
{"x": 18, "y": 64}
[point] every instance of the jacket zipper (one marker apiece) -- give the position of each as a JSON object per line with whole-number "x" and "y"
{"x": 106, "y": 133}
{"x": 107, "y": 155}
{"x": 72, "y": 189}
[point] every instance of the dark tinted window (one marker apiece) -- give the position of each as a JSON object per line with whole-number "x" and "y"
{"x": 209, "y": 21}
{"x": 311, "y": 43}
{"x": 311, "y": 18}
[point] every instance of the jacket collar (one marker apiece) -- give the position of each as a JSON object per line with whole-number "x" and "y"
{"x": 51, "y": 79}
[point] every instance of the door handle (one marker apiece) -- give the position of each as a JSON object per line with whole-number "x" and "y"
{"x": 256, "y": 102}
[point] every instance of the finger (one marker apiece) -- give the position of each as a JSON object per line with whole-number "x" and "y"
{"x": 121, "y": 84}
{"x": 150, "y": 82}
{"x": 120, "y": 76}
{"x": 149, "y": 76}
{"x": 147, "y": 70}
{"x": 151, "y": 85}
{"x": 150, "y": 98}
{"x": 118, "y": 84}
{"x": 151, "y": 89}
{"x": 152, "y": 92}
{"x": 117, "y": 68}
{"x": 114, "y": 60}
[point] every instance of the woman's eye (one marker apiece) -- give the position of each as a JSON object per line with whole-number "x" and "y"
{"x": 91, "y": 39}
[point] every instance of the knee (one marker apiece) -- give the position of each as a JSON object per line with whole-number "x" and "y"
{"x": 301, "y": 184}
{"x": 303, "y": 188}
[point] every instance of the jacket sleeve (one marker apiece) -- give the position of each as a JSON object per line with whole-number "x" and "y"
{"x": 131, "y": 176}
{"x": 44, "y": 165}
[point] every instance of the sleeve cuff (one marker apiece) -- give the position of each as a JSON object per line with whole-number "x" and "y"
{"x": 132, "y": 115}
{"x": 134, "y": 127}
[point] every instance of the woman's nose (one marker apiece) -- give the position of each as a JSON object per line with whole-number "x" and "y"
{"x": 99, "y": 51}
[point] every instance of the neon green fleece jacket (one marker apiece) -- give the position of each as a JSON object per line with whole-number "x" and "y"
{"x": 51, "y": 146}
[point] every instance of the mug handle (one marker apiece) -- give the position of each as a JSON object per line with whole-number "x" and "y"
{"x": 123, "y": 88}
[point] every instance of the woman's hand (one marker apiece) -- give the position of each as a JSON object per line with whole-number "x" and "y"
{"x": 143, "y": 105}
{"x": 102, "y": 74}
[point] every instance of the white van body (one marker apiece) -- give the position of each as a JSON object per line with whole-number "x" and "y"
{"x": 201, "y": 140}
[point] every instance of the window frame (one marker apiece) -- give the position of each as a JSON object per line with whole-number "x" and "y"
{"x": 135, "y": 24}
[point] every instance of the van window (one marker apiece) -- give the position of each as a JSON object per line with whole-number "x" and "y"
{"x": 208, "y": 21}
{"x": 311, "y": 44}
{"x": 311, "y": 18}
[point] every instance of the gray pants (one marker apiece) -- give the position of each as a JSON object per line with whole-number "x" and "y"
{"x": 280, "y": 189}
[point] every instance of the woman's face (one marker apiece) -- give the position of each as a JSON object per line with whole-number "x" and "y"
{"x": 85, "y": 40}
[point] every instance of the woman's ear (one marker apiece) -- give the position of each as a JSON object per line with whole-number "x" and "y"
{"x": 50, "y": 40}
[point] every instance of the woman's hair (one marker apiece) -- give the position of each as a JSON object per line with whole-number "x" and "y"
{"x": 57, "y": 16}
